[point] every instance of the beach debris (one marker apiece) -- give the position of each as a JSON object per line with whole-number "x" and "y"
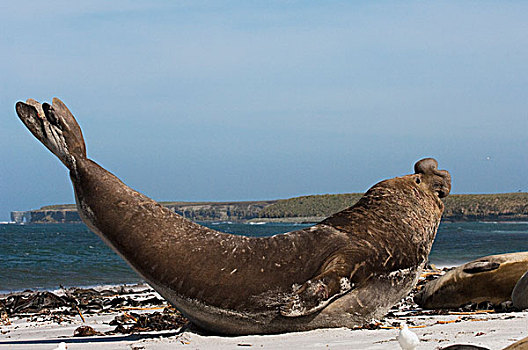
{"x": 477, "y": 312}
{"x": 30, "y": 302}
{"x": 80, "y": 313}
{"x": 169, "y": 319}
{"x": 449, "y": 321}
{"x": 125, "y": 318}
{"x": 407, "y": 339}
{"x": 374, "y": 324}
{"x": 77, "y": 302}
{"x": 399, "y": 327}
{"x": 4, "y": 318}
{"x": 85, "y": 331}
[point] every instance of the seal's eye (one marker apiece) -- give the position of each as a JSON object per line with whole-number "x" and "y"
{"x": 418, "y": 180}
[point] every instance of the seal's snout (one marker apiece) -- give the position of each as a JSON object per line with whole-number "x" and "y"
{"x": 439, "y": 181}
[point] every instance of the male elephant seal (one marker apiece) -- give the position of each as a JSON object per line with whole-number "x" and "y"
{"x": 342, "y": 272}
{"x": 490, "y": 278}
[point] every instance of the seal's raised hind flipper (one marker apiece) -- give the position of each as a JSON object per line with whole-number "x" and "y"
{"x": 55, "y": 127}
{"x": 317, "y": 293}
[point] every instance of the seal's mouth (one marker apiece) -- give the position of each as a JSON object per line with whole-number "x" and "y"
{"x": 441, "y": 193}
{"x": 442, "y": 187}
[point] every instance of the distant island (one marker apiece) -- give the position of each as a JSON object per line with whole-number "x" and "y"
{"x": 305, "y": 209}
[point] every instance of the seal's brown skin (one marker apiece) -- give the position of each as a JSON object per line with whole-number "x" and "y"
{"x": 520, "y": 292}
{"x": 519, "y": 345}
{"x": 341, "y": 272}
{"x": 491, "y": 278}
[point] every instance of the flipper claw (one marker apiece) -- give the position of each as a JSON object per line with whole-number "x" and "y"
{"x": 313, "y": 296}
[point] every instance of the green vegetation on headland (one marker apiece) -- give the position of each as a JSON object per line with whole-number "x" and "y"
{"x": 461, "y": 207}
{"x": 500, "y": 206}
{"x": 313, "y": 206}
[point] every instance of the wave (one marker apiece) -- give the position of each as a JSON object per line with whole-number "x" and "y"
{"x": 60, "y": 291}
{"x": 504, "y": 222}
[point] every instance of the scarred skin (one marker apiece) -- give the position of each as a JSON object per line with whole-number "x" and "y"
{"x": 342, "y": 272}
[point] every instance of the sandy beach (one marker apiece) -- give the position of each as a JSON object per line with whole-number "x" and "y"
{"x": 46, "y": 330}
{"x": 494, "y": 331}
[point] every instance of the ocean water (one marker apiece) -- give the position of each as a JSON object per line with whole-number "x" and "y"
{"x": 46, "y": 256}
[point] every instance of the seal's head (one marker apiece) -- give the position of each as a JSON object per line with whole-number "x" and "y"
{"x": 427, "y": 174}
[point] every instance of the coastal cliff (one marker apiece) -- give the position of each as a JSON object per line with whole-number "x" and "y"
{"x": 44, "y": 215}
{"x": 462, "y": 207}
{"x": 196, "y": 211}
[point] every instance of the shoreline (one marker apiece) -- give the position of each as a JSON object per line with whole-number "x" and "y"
{"x": 299, "y": 220}
{"x": 60, "y": 291}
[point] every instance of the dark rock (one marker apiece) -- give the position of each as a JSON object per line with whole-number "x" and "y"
{"x": 85, "y": 331}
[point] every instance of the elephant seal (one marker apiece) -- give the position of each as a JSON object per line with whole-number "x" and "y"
{"x": 342, "y": 272}
{"x": 491, "y": 278}
{"x": 518, "y": 345}
{"x": 520, "y": 293}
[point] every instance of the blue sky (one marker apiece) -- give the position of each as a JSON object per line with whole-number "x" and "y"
{"x": 240, "y": 100}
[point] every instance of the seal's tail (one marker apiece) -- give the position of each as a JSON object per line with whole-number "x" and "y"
{"x": 55, "y": 127}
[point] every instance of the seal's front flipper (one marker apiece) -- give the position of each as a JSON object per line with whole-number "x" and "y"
{"x": 314, "y": 296}
{"x": 480, "y": 266}
{"x": 320, "y": 291}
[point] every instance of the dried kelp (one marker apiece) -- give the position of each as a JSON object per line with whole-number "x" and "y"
{"x": 71, "y": 303}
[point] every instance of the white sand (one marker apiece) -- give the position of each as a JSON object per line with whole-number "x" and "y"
{"x": 494, "y": 331}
